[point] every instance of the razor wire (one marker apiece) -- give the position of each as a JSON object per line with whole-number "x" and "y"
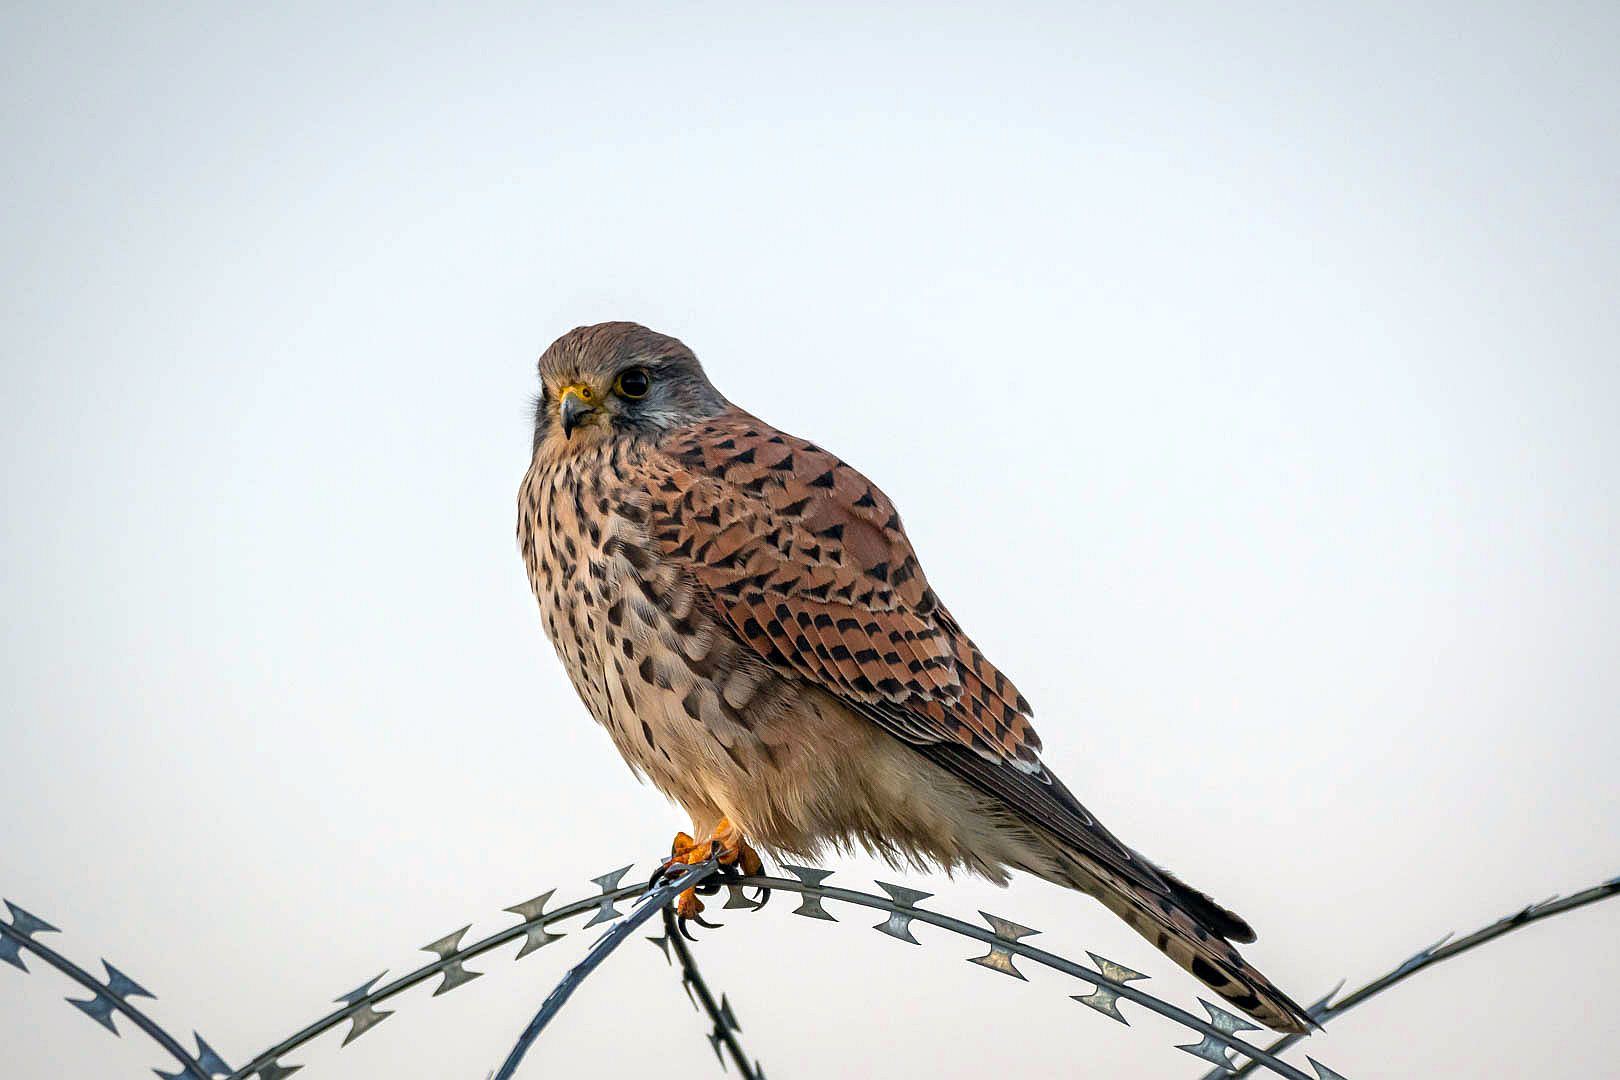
{"x": 899, "y": 910}
{"x": 659, "y": 894}
{"x": 1327, "y": 1008}
{"x": 726, "y": 1027}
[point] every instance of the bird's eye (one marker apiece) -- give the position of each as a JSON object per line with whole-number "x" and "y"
{"x": 632, "y": 383}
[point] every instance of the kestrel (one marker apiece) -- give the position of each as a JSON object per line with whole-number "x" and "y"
{"x": 744, "y": 614}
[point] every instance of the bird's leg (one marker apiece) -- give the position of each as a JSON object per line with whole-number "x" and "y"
{"x": 726, "y": 843}
{"x": 737, "y": 855}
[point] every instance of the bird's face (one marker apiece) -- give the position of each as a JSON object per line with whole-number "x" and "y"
{"x": 616, "y": 381}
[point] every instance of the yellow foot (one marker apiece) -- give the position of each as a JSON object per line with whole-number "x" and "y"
{"x": 687, "y": 905}
{"x": 732, "y": 849}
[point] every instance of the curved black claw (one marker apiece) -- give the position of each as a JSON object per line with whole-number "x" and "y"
{"x": 660, "y": 874}
{"x": 681, "y": 922}
{"x": 673, "y": 865}
{"x": 764, "y": 898}
{"x": 668, "y": 870}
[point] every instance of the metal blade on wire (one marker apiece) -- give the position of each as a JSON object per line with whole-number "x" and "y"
{"x": 107, "y": 999}
{"x": 649, "y": 904}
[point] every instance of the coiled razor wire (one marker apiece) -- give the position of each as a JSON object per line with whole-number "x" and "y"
{"x": 657, "y": 896}
{"x": 1330, "y": 1009}
{"x": 898, "y": 909}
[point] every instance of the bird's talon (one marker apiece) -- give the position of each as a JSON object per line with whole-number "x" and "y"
{"x": 733, "y": 858}
{"x": 725, "y": 846}
{"x": 687, "y": 905}
{"x": 660, "y": 872}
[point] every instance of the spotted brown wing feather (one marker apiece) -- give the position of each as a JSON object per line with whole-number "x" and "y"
{"x": 808, "y": 564}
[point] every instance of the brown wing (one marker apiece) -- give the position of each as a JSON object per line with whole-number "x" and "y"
{"x": 808, "y": 564}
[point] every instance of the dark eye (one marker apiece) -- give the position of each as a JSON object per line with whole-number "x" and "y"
{"x": 632, "y": 383}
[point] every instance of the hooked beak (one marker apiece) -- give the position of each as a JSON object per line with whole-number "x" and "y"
{"x": 576, "y": 405}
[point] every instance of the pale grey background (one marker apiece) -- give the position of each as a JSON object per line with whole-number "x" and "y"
{"x": 1247, "y": 379}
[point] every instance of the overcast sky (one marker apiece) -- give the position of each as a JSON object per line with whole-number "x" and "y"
{"x": 1247, "y": 379}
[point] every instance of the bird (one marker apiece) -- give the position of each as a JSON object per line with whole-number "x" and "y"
{"x": 745, "y": 615}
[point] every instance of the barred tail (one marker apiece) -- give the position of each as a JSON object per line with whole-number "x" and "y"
{"x": 1191, "y": 929}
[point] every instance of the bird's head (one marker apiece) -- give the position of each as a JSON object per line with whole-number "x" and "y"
{"x": 617, "y": 380}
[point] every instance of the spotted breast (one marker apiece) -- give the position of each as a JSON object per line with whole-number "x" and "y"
{"x": 635, "y": 634}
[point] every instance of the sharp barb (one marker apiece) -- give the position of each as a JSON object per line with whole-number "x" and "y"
{"x": 210, "y": 1062}
{"x": 456, "y": 976}
{"x": 609, "y": 881}
{"x": 812, "y": 876}
{"x": 531, "y": 910}
{"x": 714, "y": 1044}
{"x": 662, "y": 941}
{"x": 353, "y": 996}
{"x": 11, "y": 952}
{"x": 277, "y": 1071}
{"x": 1212, "y": 1049}
{"x": 1421, "y": 957}
{"x": 906, "y": 898}
{"x": 1006, "y": 929}
{"x": 28, "y": 925}
{"x": 120, "y": 985}
{"x": 736, "y": 899}
{"x": 810, "y": 905}
{"x": 1322, "y": 1071}
{"x": 1321, "y": 1003}
{"x": 1533, "y": 908}
{"x": 1105, "y": 999}
{"x": 898, "y": 924}
{"x": 446, "y": 946}
{"x": 537, "y": 936}
{"x": 609, "y": 884}
{"x": 727, "y": 1019}
{"x": 99, "y": 1009}
{"x": 366, "y": 1019}
{"x": 1000, "y": 957}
